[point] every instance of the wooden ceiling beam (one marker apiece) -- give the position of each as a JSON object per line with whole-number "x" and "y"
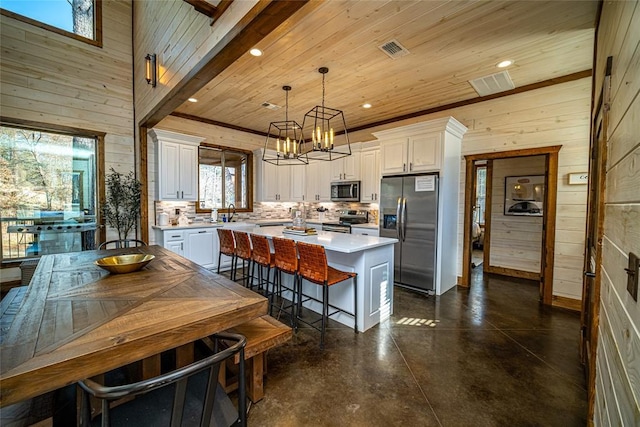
{"x": 246, "y": 34}
{"x": 208, "y": 9}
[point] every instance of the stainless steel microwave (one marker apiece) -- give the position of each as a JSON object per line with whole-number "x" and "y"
{"x": 345, "y": 191}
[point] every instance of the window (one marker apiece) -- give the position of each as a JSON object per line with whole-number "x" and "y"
{"x": 224, "y": 178}
{"x": 80, "y": 19}
{"x": 481, "y": 195}
{"x": 48, "y": 192}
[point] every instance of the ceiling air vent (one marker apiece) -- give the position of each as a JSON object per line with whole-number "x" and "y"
{"x": 394, "y": 49}
{"x": 271, "y": 106}
{"x": 493, "y": 83}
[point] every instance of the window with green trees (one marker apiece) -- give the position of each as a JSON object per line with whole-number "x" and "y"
{"x": 48, "y": 192}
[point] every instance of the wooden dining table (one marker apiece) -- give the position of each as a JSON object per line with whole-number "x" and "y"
{"x": 78, "y": 320}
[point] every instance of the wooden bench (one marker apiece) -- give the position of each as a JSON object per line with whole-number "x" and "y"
{"x": 262, "y": 334}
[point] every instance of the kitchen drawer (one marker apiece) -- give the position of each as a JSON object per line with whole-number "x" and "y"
{"x": 173, "y": 235}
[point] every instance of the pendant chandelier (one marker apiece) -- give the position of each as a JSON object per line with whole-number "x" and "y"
{"x": 328, "y": 130}
{"x": 284, "y": 140}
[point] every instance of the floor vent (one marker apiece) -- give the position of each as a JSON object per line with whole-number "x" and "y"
{"x": 394, "y": 49}
{"x": 271, "y": 106}
{"x": 493, "y": 83}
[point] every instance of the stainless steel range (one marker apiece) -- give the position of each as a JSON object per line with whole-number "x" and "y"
{"x": 347, "y": 218}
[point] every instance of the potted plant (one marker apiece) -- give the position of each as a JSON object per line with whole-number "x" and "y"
{"x": 121, "y": 209}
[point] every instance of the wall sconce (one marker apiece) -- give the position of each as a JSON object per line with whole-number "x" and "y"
{"x": 150, "y": 73}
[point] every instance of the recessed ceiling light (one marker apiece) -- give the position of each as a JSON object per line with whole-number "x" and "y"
{"x": 255, "y": 52}
{"x": 192, "y": 100}
{"x": 367, "y": 105}
{"x": 504, "y": 64}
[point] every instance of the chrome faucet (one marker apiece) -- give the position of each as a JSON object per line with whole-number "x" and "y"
{"x": 232, "y": 211}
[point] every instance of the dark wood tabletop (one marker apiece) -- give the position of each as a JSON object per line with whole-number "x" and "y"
{"x": 77, "y": 320}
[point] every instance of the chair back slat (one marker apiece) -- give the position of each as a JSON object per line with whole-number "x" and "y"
{"x": 286, "y": 255}
{"x": 261, "y": 250}
{"x": 227, "y": 245}
{"x": 122, "y": 243}
{"x": 243, "y": 244}
{"x": 313, "y": 262}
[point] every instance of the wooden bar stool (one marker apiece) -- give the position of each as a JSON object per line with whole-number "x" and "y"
{"x": 262, "y": 258}
{"x": 243, "y": 252}
{"x": 314, "y": 268}
{"x": 286, "y": 261}
{"x": 228, "y": 248}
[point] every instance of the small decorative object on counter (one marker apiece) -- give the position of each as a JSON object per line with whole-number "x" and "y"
{"x": 299, "y": 222}
{"x": 224, "y": 218}
{"x": 214, "y": 215}
{"x": 163, "y": 218}
{"x": 183, "y": 219}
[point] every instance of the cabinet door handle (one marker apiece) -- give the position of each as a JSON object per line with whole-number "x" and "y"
{"x": 404, "y": 167}
{"x": 177, "y": 194}
{"x": 175, "y": 237}
{"x": 203, "y": 231}
{"x": 182, "y": 194}
{"x": 410, "y": 166}
{"x": 182, "y": 246}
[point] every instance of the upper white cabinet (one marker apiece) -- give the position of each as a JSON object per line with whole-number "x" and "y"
{"x": 318, "y": 182}
{"x": 411, "y": 153}
{"x": 421, "y": 147}
{"x": 346, "y": 168}
{"x": 370, "y": 174}
{"x": 298, "y": 183}
{"x": 177, "y": 165}
{"x": 274, "y": 182}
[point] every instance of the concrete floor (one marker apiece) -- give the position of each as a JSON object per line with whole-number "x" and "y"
{"x": 488, "y": 356}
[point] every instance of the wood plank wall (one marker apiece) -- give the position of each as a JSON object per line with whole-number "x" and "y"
{"x": 556, "y": 115}
{"x": 180, "y": 37}
{"x": 53, "y": 79}
{"x": 49, "y": 78}
{"x": 516, "y": 241}
{"x": 618, "y": 356}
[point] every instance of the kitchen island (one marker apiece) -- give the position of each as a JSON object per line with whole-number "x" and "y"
{"x": 369, "y": 256}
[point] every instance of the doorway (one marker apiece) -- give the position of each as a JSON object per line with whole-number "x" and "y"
{"x": 479, "y": 224}
{"x": 550, "y": 160}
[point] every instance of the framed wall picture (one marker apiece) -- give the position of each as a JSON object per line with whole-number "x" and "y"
{"x": 524, "y": 195}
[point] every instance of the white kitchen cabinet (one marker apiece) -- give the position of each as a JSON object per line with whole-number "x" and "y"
{"x": 177, "y": 165}
{"x": 298, "y": 183}
{"x": 275, "y": 182}
{"x": 347, "y": 168}
{"x": 202, "y": 246}
{"x": 318, "y": 182}
{"x": 370, "y": 169}
{"x": 172, "y": 240}
{"x": 419, "y": 151}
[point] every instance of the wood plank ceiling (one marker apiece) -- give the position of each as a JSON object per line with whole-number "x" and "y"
{"x": 450, "y": 42}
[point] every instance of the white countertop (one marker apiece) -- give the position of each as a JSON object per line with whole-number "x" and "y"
{"x": 239, "y": 224}
{"x": 338, "y": 242}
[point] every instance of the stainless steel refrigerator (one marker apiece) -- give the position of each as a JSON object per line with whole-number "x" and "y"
{"x": 408, "y": 212}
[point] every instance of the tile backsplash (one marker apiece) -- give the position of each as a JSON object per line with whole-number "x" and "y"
{"x": 266, "y": 211}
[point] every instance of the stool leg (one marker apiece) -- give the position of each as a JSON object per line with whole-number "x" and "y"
{"x": 219, "y": 259}
{"x": 325, "y": 313}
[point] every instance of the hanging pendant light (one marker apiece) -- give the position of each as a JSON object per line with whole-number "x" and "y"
{"x": 328, "y": 130}
{"x": 284, "y": 140}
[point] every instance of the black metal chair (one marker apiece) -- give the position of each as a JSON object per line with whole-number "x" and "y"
{"x": 122, "y": 243}
{"x": 189, "y": 395}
